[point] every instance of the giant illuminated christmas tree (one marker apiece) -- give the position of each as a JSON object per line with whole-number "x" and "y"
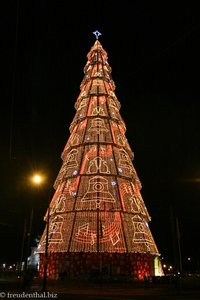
{"x": 98, "y": 219}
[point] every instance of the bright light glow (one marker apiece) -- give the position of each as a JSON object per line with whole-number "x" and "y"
{"x": 37, "y": 179}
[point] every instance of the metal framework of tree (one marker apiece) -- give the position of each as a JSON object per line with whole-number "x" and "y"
{"x": 97, "y": 206}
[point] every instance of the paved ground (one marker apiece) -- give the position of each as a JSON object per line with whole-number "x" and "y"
{"x": 125, "y": 291}
{"x": 99, "y": 291}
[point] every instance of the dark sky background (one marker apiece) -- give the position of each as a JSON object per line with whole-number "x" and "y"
{"x": 153, "y": 50}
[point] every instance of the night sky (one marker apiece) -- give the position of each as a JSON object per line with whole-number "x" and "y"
{"x": 154, "y": 54}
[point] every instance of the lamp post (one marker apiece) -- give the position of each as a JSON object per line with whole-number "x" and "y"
{"x": 36, "y": 180}
{"x": 28, "y": 241}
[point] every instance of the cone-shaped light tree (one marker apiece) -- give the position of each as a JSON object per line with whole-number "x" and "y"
{"x": 98, "y": 219}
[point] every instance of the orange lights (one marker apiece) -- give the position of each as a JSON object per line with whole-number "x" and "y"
{"x": 97, "y": 209}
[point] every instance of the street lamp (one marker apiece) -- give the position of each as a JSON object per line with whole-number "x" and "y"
{"x": 36, "y": 180}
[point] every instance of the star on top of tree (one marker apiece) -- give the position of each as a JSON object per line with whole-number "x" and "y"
{"x": 97, "y": 34}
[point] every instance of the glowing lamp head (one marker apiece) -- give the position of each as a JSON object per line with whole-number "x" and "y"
{"x": 37, "y": 179}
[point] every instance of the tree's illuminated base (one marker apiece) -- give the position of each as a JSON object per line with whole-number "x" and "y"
{"x": 79, "y": 265}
